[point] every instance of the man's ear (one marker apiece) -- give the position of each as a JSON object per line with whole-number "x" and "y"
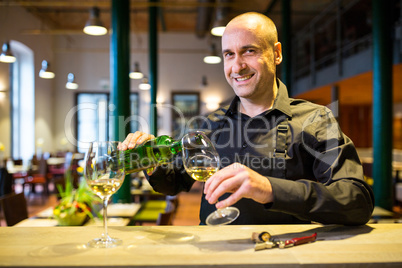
{"x": 278, "y": 53}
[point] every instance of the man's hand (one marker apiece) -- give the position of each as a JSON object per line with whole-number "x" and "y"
{"x": 133, "y": 139}
{"x": 242, "y": 182}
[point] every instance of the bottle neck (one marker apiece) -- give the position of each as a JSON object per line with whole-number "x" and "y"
{"x": 176, "y": 147}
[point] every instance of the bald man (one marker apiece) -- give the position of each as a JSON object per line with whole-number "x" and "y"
{"x": 283, "y": 160}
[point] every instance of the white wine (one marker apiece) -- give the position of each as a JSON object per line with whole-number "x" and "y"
{"x": 201, "y": 173}
{"x": 104, "y": 186}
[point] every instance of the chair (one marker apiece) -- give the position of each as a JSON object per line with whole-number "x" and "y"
{"x": 159, "y": 212}
{"x": 60, "y": 169}
{"x": 6, "y": 182}
{"x": 14, "y": 208}
{"x": 166, "y": 218}
{"x": 57, "y": 172}
{"x": 18, "y": 162}
{"x": 173, "y": 199}
{"x": 42, "y": 177}
{"x": 17, "y": 174}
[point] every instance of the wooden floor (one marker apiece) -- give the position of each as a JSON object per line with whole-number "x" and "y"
{"x": 187, "y": 210}
{"x": 189, "y": 207}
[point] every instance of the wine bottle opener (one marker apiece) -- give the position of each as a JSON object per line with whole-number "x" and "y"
{"x": 271, "y": 243}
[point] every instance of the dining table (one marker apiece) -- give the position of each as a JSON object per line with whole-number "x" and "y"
{"x": 14, "y": 169}
{"x": 119, "y": 214}
{"x": 371, "y": 245}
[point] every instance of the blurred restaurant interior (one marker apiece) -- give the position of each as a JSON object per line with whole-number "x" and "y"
{"x": 335, "y": 54}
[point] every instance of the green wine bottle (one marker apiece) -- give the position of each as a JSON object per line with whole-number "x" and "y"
{"x": 152, "y": 153}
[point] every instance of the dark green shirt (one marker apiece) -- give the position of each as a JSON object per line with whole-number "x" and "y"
{"x": 312, "y": 166}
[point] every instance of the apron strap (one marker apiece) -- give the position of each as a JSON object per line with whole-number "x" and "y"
{"x": 281, "y": 133}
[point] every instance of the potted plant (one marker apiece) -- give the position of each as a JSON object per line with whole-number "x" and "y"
{"x": 76, "y": 206}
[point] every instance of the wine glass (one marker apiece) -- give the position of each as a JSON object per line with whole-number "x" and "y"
{"x": 104, "y": 173}
{"x": 201, "y": 161}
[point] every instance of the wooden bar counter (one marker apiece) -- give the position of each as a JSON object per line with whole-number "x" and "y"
{"x": 376, "y": 245}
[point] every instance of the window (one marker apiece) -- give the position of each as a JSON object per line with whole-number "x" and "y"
{"x": 92, "y": 117}
{"x": 22, "y": 102}
{"x": 134, "y": 124}
{"x": 187, "y": 107}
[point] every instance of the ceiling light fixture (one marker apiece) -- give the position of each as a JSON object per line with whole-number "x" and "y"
{"x": 217, "y": 29}
{"x": 144, "y": 84}
{"x": 94, "y": 25}
{"x": 212, "y": 58}
{"x": 71, "y": 84}
{"x": 221, "y": 18}
{"x": 6, "y": 54}
{"x": 219, "y": 25}
{"x": 136, "y": 73}
{"x": 45, "y": 72}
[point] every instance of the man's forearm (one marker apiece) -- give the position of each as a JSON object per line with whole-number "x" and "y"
{"x": 345, "y": 201}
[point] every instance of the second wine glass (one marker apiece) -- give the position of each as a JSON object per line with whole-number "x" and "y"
{"x": 104, "y": 173}
{"x": 201, "y": 161}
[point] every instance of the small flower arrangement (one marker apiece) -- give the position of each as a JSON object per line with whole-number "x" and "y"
{"x": 1, "y": 154}
{"x": 76, "y": 205}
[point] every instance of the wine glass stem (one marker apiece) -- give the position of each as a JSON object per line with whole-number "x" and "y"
{"x": 105, "y": 202}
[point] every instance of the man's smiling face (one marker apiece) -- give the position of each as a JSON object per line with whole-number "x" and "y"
{"x": 249, "y": 60}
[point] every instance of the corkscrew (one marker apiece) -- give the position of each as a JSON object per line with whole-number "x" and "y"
{"x": 265, "y": 241}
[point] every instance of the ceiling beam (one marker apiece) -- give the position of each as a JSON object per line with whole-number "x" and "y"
{"x": 106, "y": 4}
{"x": 204, "y": 18}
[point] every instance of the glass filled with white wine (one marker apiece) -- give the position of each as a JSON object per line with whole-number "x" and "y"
{"x": 104, "y": 173}
{"x": 201, "y": 161}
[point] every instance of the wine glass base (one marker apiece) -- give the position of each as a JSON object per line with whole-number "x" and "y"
{"x": 223, "y": 216}
{"x": 105, "y": 242}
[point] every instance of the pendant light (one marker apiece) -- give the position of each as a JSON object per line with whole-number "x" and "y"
{"x": 212, "y": 58}
{"x": 219, "y": 25}
{"x": 221, "y": 18}
{"x": 94, "y": 26}
{"x": 71, "y": 84}
{"x": 6, "y": 54}
{"x": 144, "y": 84}
{"x": 45, "y": 72}
{"x": 217, "y": 29}
{"x": 136, "y": 73}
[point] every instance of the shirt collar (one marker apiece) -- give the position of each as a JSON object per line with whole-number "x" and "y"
{"x": 281, "y": 103}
